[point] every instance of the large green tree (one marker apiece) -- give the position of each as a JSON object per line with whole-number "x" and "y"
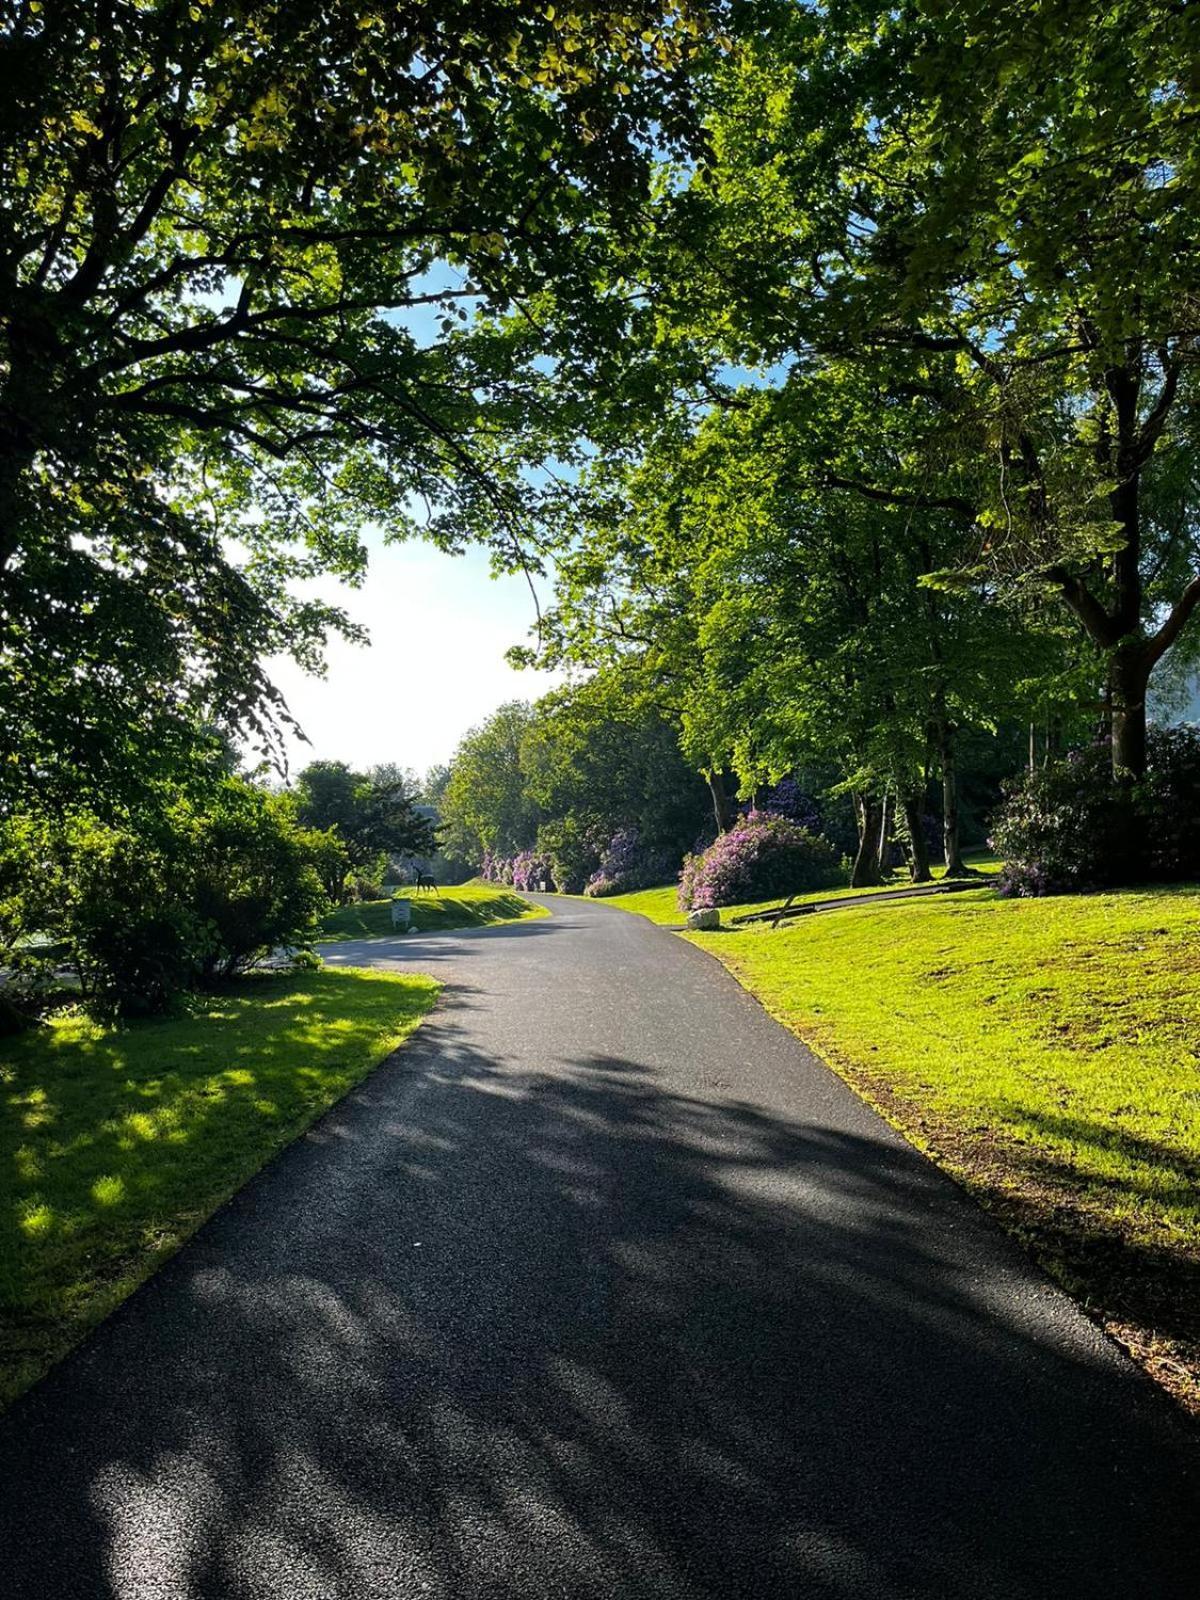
{"x": 997, "y": 203}
{"x": 240, "y": 246}
{"x": 371, "y": 814}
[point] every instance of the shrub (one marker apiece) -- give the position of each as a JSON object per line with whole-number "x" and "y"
{"x": 573, "y": 850}
{"x": 763, "y": 855}
{"x": 1168, "y": 800}
{"x": 255, "y": 885}
{"x": 1072, "y": 826}
{"x": 627, "y": 864}
{"x": 124, "y": 924}
{"x": 199, "y": 889}
{"x": 530, "y": 869}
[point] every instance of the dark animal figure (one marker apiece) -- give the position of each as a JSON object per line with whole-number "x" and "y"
{"x": 424, "y": 881}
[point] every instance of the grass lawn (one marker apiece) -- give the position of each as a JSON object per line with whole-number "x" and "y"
{"x": 1047, "y": 1053}
{"x": 662, "y": 905}
{"x": 469, "y": 905}
{"x": 118, "y": 1143}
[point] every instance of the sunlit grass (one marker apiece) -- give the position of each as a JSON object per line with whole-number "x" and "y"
{"x": 468, "y": 905}
{"x": 1048, "y": 1053}
{"x": 661, "y": 904}
{"x": 117, "y": 1143}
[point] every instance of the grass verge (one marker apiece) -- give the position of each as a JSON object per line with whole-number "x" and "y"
{"x": 470, "y": 905}
{"x": 117, "y": 1143}
{"x": 1047, "y": 1054}
{"x": 661, "y": 904}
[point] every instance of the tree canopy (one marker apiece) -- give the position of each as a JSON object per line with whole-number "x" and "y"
{"x": 239, "y": 252}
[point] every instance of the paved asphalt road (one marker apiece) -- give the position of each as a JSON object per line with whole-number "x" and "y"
{"x": 602, "y": 1288}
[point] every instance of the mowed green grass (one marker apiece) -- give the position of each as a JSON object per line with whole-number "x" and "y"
{"x": 468, "y": 905}
{"x": 116, "y": 1143}
{"x": 661, "y": 905}
{"x": 1047, "y": 1052}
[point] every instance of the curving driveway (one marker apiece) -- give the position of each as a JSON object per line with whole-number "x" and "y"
{"x": 604, "y": 1287}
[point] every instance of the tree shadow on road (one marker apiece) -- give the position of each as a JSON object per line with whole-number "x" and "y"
{"x": 585, "y": 1337}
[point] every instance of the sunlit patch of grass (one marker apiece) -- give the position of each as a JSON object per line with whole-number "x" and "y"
{"x": 116, "y": 1143}
{"x": 661, "y": 905}
{"x": 1045, "y": 1051}
{"x": 468, "y": 905}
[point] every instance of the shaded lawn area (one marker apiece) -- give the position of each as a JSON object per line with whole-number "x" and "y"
{"x": 117, "y": 1143}
{"x": 1047, "y": 1053}
{"x": 469, "y": 905}
{"x": 661, "y": 905}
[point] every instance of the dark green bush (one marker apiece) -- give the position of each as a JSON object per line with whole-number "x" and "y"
{"x": 1071, "y": 825}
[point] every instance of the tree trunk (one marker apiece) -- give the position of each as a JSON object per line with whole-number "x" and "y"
{"x": 914, "y": 822}
{"x": 866, "y": 863}
{"x": 1130, "y": 678}
{"x": 886, "y": 823}
{"x": 723, "y": 807}
{"x": 956, "y": 867}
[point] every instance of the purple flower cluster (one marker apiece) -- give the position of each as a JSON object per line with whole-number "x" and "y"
{"x": 494, "y": 867}
{"x": 763, "y": 855}
{"x": 530, "y": 869}
{"x": 626, "y": 864}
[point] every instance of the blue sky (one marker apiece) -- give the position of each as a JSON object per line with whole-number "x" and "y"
{"x": 439, "y": 628}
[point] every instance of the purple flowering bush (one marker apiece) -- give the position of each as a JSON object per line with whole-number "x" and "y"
{"x": 530, "y": 869}
{"x": 1071, "y": 825}
{"x": 627, "y": 864}
{"x": 763, "y": 855}
{"x": 496, "y": 868}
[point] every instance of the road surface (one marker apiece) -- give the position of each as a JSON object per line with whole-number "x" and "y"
{"x": 603, "y": 1287}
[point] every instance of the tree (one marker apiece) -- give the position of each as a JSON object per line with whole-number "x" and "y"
{"x": 997, "y": 204}
{"x": 486, "y": 806}
{"x": 370, "y": 815}
{"x": 604, "y": 752}
{"x": 239, "y": 250}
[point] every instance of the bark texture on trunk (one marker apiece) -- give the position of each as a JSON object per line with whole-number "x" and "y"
{"x": 956, "y": 867}
{"x": 1130, "y": 678}
{"x": 886, "y": 829}
{"x": 869, "y": 810}
{"x": 918, "y": 847}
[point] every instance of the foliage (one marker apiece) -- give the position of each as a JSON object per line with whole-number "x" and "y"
{"x": 1068, "y": 825}
{"x": 120, "y": 914}
{"x": 120, "y": 1142}
{"x": 606, "y": 751}
{"x": 573, "y": 850}
{"x": 374, "y": 816}
{"x": 1168, "y": 805}
{"x": 240, "y": 253}
{"x": 485, "y": 804}
{"x": 627, "y": 863}
{"x": 1007, "y": 1040}
{"x": 925, "y": 203}
{"x": 530, "y": 869}
{"x": 250, "y": 879}
{"x": 190, "y": 888}
{"x": 760, "y": 856}
{"x": 1071, "y": 825}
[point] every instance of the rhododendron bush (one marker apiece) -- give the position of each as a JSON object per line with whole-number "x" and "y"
{"x": 626, "y": 863}
{"x": 763, "y": 855}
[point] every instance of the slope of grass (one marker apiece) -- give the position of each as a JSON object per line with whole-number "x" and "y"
{"x": 1046, "y": 1052}
{"x": 116, "y": 1144}
{"x": 469, "y": 905}
{"x": 661, "y": 905}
